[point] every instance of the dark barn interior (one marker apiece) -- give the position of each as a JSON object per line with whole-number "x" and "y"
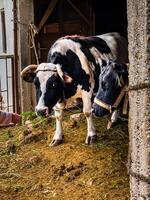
{"x": 57, "y": 18}
{"x": 110, "y": 16}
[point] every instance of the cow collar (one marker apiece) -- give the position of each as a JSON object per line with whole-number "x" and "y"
{"x": 44, "y": 70}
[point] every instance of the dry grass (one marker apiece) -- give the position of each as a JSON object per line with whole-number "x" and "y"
{"x": 71, "y": 171}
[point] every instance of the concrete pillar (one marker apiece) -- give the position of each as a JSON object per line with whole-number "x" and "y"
{"x": 139, "y": 97}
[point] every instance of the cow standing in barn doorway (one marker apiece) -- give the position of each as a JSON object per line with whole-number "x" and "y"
{"x": 72, "y": 71}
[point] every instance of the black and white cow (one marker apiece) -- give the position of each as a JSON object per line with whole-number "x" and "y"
{"x": 112, "y": 92}
{"x": 72, "y": 71}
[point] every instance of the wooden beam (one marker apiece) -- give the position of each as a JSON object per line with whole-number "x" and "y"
{"x": 79, "y": 12}
{"x": 48, "y": 12}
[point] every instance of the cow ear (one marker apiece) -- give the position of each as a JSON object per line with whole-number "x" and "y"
{"x": 28, "y": 73}
{"x": 122, "y": 71}
{"x": 67, "y": 78}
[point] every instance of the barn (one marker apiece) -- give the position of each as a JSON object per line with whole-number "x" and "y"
{"x": 29, "y": 27}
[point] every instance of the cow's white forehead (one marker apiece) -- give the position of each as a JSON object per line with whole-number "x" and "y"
{"x": 45, "y": 71}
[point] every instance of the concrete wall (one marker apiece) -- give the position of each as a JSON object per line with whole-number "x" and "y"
{"x": 139, "y": 97}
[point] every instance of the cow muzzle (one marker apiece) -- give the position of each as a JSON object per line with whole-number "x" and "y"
{"x": 98, "y": 111}
{"x": 42, "y": 111}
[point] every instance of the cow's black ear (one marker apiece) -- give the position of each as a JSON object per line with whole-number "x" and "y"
{"x": 122, "y": 70}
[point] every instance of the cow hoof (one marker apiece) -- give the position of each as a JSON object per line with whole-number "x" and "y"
{"x": 55, "y": 142}
{"x": 91, "y": 139}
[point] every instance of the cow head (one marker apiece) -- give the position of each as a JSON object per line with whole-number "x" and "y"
{"x": 49, "y": 82}
{"x": 111, "y": 81}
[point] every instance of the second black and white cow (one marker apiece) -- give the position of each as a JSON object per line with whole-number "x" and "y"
{"x": 72, "y": 71}
{"x": 112, "y": 96}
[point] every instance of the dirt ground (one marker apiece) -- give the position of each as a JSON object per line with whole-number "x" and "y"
{"x": 31, "y": 170}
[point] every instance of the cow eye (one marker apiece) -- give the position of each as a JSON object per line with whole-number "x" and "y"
{"x": 104, "y": 85}
{"x": 53, "y": 85}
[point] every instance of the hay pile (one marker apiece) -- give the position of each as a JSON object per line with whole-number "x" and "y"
{"x": 72, "y": 170}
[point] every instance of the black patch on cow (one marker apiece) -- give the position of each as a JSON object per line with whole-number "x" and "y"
{"x": 71, "y": 65}
{"x": 89, "y": 42}
{"x": 38, "y": 89}
{"x": 57, "y": 58}
{"x": 54, "y": 91}
{"x": 70, "y": 90}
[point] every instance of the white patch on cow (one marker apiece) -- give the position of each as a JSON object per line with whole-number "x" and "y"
{"x": 84, "y": 61}
{"x": 110, "y": 39}
{"x": 118, "y": 46}
{"x": 43, "y": 76}
{"x": 63, "y": 45}
{"x": 59, "y": 71}
{"x": 97, "y": 55}
{"x": 58, "y": 114}
{"x": 87, "y": 110}
{"x": 92, "y": 66}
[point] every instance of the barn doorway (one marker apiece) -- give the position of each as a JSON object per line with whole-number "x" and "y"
{"x": 57, "y": 18}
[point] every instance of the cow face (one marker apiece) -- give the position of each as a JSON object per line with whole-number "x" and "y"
{"x": 49, "y": 90}
{"x": 111, "y": 81}
{"x": 47, "y": 79}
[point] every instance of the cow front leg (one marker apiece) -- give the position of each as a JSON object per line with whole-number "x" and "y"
{"x": 87, "y": 110}
{"x": 91, "y": 134}
{"x": 58, "y": 136}
{"x": 114, "y": 118}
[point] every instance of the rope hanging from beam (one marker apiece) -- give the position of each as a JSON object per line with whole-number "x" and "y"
{"x": 31, "y": 38}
